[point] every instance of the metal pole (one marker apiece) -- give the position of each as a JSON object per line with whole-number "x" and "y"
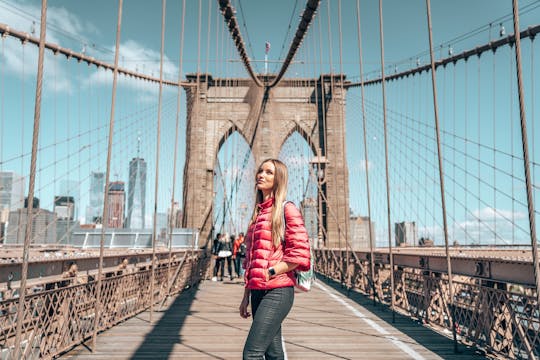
{"x": 107, "y": 179}
{"x": 441, "y": 175}
{"x": 383, "y": 82}
{"x": 33, "y": 159}
{"x": 525, "y": 144}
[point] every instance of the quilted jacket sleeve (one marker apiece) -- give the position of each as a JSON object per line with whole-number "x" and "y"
{"x": 296, "y": 239}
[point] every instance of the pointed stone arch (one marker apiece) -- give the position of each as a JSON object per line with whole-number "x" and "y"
{"x": 265, "y": 118}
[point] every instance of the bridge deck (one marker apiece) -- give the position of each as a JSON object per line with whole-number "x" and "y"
{"x": 324, "y": 324}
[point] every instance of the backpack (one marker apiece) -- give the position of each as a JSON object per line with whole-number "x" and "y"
{"x": 242, "y": 249}
{"x": 304, "y": 279}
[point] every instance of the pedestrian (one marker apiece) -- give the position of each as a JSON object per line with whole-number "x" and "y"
{"x": 274, "y": 250}
{"x": 217, "y": 259}
{"x": 239, "y": 254}
{"x": 222, "y": 252}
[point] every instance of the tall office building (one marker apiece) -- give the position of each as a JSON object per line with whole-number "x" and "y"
{"x": 71, "y": 188}
{"x": 94, "y": 210}
{"x": 116, "y": 205}
{"x": 406, "y": 234}
{"x": 43, "y": 226}
{"x": 136, "y": 194}
{"x": 359, "y": 232}
{"x": 174, "y": 215}
{"x": 11, "y": 198}
{"x": 64, "y": 207}
{"x": 11, "y": 190}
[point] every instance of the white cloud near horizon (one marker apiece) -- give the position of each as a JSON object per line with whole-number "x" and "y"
{"x": 492, "y": 214}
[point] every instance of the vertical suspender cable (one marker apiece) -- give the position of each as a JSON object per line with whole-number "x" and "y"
{"x": 322, "y": 149}
{"x": 441, "y": 175}
{"x": 342, "y": 121}
{"x": 29, "y": 214}
{"x": 107, "y": 177}
{"x": 155, "y": 262}
{"x": 172, "y": 220}
{"x": 525, "y": 144}
{"x": 383, "y": 81}
{"x": 196, "y": 108}
{"x": 330, "y": 56}
{"x": 2, "y": 113}
{"x": 366, "y": 157}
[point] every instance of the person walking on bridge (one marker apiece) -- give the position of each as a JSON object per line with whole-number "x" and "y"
{"x": 239, "y": 254}
{"x": 274, "y": 250}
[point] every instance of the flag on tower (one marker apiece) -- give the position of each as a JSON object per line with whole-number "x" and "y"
{"x": 266, "y": 47}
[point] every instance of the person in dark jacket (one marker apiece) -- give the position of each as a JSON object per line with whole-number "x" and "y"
{"x": 274, "y": 250}
{"x": 222, "y": 251}
{"x": 217, "y": 260}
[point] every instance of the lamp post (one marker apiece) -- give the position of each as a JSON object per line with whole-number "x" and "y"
{"x": 318, "y": 165}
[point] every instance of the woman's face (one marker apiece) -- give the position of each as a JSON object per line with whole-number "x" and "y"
{"x": 265, "y": 178}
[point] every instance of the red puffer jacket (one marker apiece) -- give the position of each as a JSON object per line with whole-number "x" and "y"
{"x": 261, "y": 254}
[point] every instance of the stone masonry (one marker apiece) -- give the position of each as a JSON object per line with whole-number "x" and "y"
{"x": 266, "y": 117}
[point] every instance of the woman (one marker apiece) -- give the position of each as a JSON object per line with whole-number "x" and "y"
{"x": 272, "y": 255}
{"x": 222, "y": 252}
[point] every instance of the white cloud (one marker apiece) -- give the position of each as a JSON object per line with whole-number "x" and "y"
{"x": 150, "y": 60}
{"x": 492, "y": 214}
{"x": 22, "y": 60}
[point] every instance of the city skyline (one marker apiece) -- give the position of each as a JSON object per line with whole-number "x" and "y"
{"x": 76, "y": 108}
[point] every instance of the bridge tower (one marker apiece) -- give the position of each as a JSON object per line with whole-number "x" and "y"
{"x": 266, "y": 117}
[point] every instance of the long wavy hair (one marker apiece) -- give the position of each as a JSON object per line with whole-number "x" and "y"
{"x": 279, "y": 193}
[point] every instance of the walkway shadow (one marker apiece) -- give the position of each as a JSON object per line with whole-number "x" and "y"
{"x": 430, "y": 339}
{"x": 165, "y": 334}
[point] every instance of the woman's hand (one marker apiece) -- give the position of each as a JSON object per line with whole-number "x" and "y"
{"x": 244, "y": 308}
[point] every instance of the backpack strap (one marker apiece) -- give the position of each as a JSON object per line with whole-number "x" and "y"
{"x": 283, "y": 221}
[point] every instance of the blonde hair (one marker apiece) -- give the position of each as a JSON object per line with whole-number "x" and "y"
{"x": 279, "y": 193}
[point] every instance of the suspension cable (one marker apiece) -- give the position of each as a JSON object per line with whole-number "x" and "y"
{"x": 172, "y": 220}
{"x": 383, "y": 81}
{"x": 478, "y": 50}
{"x": 228, "y": 13}
{"x": 525, "y": 145}
{"x": 6, "y": 30}
{"x": 307, "y": 16}
{"x": 441, "y": 175}
{"x": 32, "y": 178}
{"x": 158, "y": 146}
{"x": 107, "y": 177}
{"x": 366, "y": 157}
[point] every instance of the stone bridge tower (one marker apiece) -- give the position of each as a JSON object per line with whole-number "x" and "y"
{"x": 266, "y": 117}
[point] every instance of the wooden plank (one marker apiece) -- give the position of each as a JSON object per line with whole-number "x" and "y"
{"x": 204, "y": 323}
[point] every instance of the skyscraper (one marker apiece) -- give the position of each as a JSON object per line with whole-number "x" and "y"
{"x": 71, "y": 188}
{"x": 116, "y": 205}
{"x": 11, "y": 190}
{"x": 94, "y": 211}
{"x": 11, "y": 198}
{"x": 359, "y": 232}
{"x": 136, "y": 194}
{"x": 43, "y": 225}
{"x": 406, "y": 234}
{"x": 64, "y": 207}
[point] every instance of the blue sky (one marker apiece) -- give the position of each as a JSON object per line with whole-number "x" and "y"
{"x": 76, "y": 106}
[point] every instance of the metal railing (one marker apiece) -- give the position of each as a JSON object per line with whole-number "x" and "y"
{"x": 61, "y": 314}
{"x": 498, "y": 316}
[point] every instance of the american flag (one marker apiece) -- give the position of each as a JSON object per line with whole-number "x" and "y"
{"x": 266, "y": 47}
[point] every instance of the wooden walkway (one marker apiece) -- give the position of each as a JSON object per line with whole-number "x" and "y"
{"x": 203, "y": 323}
